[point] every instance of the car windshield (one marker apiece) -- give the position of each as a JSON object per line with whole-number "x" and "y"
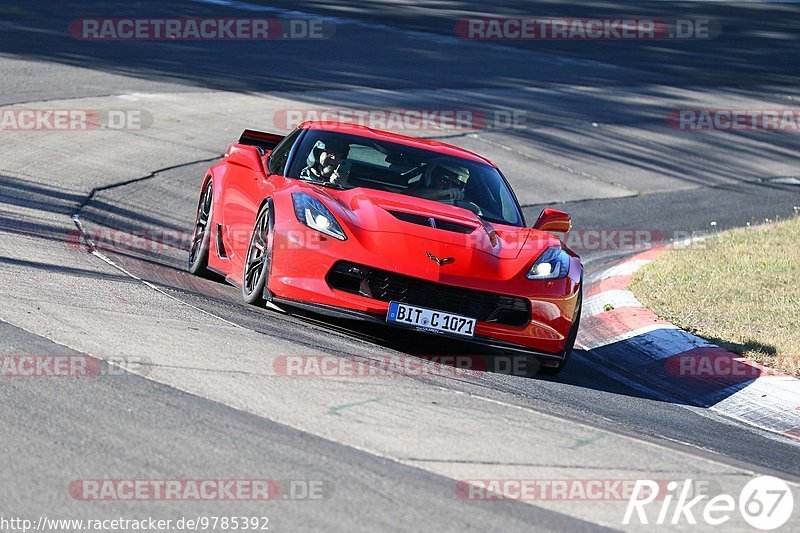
{"x": 349, "y": 161}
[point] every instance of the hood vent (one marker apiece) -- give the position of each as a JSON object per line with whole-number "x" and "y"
{"x": 432, "y": 222}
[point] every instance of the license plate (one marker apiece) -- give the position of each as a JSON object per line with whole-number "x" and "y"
{"x": 430, "y": 320}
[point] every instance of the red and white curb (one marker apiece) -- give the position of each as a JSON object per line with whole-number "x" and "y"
{"x": 623, "y": 336}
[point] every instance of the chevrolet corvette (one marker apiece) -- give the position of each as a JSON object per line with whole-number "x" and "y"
{"x": 353, "y": 222}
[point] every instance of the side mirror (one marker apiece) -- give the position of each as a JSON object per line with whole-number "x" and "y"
{"x": 553, "y": 220}
{"x": 245, "y": 156}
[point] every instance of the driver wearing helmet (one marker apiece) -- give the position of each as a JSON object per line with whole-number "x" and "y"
{"x": 325, "y": 162}
{"x": 443, "y": 182}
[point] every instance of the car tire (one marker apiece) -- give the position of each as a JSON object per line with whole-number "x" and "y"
{"x": 256, "y": 269}
{"x": 571, "y": 338}
{"x": 201, "y": 238}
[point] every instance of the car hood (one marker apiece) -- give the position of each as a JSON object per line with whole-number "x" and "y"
{"x": 398, "y": 229}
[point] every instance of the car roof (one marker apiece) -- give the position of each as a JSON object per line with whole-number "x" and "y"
{"x": 416, "y": 142}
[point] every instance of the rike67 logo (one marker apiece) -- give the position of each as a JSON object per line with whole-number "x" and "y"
{"x": 765, "y": 503}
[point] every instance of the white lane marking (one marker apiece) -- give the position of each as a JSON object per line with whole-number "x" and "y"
{"x": 658, "y": 341}
{"x": 134, "y": 97}
{"x": 589, "y": 341}
{"x": 596, "y": 304}
{"x": 93, "y": 248}
{"x": 628, "y": 268}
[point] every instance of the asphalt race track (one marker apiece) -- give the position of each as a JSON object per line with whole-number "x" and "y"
{"x": 203, "y": 400}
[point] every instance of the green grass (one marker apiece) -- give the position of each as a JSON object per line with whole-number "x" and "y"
{"x": 740, "y": 290}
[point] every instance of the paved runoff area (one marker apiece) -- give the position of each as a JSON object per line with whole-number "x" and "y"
{"x": 134, "y": 391}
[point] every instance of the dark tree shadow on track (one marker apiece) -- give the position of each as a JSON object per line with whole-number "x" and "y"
{"x": 756, "y": 45}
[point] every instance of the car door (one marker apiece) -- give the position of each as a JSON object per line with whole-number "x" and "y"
{"x": 245, "y": 192}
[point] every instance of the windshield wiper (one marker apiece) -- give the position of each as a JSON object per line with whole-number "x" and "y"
{"x": 329, "y": 184}
{"x": 492, "y": 219}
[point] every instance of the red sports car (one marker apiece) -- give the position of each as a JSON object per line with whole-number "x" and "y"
{"x": 354, "y": 222}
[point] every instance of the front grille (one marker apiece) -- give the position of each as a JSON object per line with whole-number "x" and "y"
{"x": 388, "y": 286}
{"x": 432, "y": 222}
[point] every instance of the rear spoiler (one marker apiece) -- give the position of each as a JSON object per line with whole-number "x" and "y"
{"x": 265, "y": 141}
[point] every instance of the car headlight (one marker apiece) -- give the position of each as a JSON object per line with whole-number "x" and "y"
{"x": 313, "y": 213}
{"x": 552, "y": 264}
